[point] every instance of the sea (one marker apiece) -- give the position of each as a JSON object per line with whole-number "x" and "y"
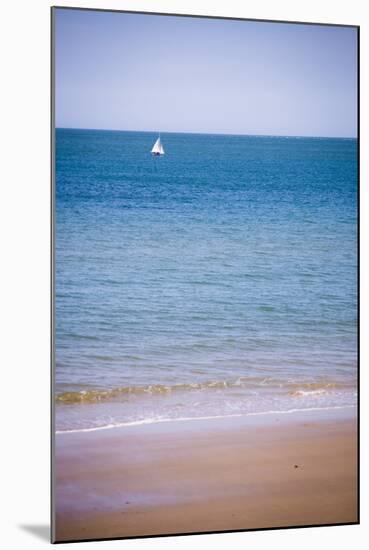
{"x": 217, "y": 280}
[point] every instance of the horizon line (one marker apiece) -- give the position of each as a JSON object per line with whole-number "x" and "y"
{"x": 203, "y": 133}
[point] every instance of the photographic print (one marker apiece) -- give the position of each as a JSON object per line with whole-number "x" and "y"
{"x": 205, "y": 274}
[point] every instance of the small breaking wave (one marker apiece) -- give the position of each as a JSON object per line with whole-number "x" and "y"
{"x": 304, "y": 393}
{"x": 293, "y": 388}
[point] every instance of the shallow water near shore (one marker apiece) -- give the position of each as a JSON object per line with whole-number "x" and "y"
{"x": 217, "y": 280}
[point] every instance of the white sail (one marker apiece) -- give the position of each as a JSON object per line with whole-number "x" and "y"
{"x": 158, "y": 148}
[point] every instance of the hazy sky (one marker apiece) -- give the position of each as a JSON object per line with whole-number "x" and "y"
{"x": 146, "y": 72}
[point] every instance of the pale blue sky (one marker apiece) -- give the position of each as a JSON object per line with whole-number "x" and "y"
{"x": 178, "y": 74}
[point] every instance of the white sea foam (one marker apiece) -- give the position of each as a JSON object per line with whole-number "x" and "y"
{"x": 309, "y": 392}
{"x": 188, "y": 418}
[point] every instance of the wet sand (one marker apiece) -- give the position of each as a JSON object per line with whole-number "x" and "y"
{"x": 207, "y": 475}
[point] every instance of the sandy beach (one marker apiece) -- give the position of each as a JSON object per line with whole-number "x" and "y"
{"x": 207, "y": 475}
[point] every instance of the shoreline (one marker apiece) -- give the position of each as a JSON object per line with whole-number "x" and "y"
{"x": 136, "y": 423}
{"x": 238, "y": 473}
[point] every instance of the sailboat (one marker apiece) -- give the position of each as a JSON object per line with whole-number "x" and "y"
{"x": 158, "y": 148}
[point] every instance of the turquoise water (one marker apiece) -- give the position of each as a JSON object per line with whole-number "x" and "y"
{"x": 220, "y": 279}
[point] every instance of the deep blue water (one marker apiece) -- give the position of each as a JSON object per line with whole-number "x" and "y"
{"x": 218, "y": 279}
